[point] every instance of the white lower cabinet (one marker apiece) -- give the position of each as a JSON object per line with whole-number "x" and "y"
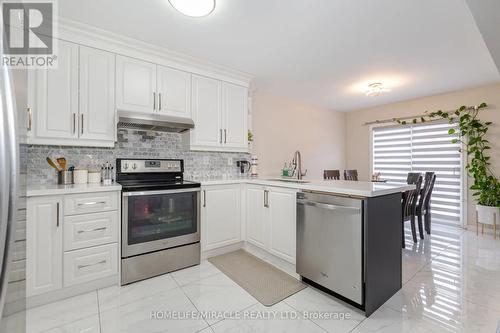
{"x": 271, "y": 220}
{"x": 256, "y": 215}
{"x": 66, "y": 247}
{"x": 90, "y": 264}
{"x": 221, "y": 216}
{"x": 264, "y": 216}
{"x": 44, "y": 246}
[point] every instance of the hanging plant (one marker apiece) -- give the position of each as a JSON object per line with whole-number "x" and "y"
{"x": 472, "y": 133}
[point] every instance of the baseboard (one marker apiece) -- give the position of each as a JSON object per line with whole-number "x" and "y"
{"x": 279, "y": 263}
{"x": 221, "y": 250}
{"x": 67, "y": 292}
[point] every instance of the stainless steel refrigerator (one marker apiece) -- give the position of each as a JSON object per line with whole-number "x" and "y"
{"x": 12, "y": 210}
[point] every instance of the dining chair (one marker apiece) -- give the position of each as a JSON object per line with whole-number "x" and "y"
{"x": 409, "y": 208}
{"x": 351, "y": 174}
{"x": 425, "y": 209}
{"x": 423, "y": 201}
{"x": 412, "y": 177}
{"x": 331, "y": 174}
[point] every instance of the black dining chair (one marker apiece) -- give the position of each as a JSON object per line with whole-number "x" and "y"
{"x": 331, "y": 174}
{"x": 412, "y": 177}
{"x": 409, "y": 208}
{"x": 351, "y": 174}
{"x": 424, "y": 203}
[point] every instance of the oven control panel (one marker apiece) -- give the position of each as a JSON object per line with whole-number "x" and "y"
{"x": 140, "y": 166}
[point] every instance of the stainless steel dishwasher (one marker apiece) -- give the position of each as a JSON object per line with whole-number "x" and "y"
{"x": 329, "y": 243}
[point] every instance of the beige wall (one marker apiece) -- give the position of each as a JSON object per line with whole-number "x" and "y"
{"x": 281, "y": 126}
{"x": 358, "y": 135}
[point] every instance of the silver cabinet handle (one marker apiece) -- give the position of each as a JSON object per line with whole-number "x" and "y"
{"x": 58, "y": 213}
{"x": 94, "y": 264}
{"x": 204, "y": 198}
{"x": 326, "y": 206}
{"x": 92, "y": 203}
{"x": 30, "y": 116}
{"x": 225, "y": 136}
{"x": 266, "y": 198}
{"x": 82, "y": 124}
{"x": 154, "y": 100}
{"x": 91, "y": 230}
{"x": 220, "y": 141}
{"x": 74, "y": 123}
{"x": 159, "y": 101}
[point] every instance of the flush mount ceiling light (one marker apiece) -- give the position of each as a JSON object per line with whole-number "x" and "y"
{"x": 375, "y": 89}
{"x": 193, "y": 8}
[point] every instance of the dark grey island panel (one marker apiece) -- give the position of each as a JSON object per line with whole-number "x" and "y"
{"x": 382, "y": 228}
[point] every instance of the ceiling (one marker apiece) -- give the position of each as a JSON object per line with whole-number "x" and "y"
{"x": 322, "y": 52}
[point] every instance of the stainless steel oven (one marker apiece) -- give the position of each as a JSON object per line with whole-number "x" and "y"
{"x": 157, "y": 220}
{"x": 160, "y": 229}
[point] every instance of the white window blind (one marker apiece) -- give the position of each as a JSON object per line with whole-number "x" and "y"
{"x": 398, "y": 150}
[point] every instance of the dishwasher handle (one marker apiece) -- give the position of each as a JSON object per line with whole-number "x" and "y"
{"x": 326, "y": 206}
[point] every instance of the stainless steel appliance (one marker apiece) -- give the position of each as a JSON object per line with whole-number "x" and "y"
{"x": 157, "y": 122}
{"x": 160, "y": 218}
{"x": 12, "y": 205}
{"x": 330, "y": 243}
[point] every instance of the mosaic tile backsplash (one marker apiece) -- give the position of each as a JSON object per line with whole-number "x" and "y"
{"x": 133, "y": 144}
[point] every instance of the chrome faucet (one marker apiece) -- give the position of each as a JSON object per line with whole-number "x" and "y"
{"x": 297, "y": 163}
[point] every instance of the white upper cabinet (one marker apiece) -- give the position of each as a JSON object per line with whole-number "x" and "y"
{"x": 97, "y": 94}
{"x": 54, "y": 97}
{"x": 235, "y": 116}
{"x": 206, "y": 107}
{"x": 73, "y": 104}
{"x": 174, "y": 92}
{"x": 220, "y": 115}
{"x": 135, "y": 85}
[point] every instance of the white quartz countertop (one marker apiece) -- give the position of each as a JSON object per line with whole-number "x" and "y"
{"x": 54, "y": 189}
{"x": 354, "y": 188}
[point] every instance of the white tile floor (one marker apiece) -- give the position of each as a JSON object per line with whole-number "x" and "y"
{"x": 451, "y": 284}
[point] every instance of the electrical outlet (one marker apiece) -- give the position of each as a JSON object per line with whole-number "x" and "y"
{"x": 229, "y": 161}
{"x": 206, "y": 160}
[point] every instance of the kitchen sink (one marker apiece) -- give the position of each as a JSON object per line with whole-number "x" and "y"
{"x": 298, "y": 181}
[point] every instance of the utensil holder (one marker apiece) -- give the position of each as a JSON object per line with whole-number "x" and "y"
{"x": 65, "y": 177}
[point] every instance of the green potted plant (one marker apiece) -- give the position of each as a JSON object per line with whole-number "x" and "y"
{"x": 486, "y": 187}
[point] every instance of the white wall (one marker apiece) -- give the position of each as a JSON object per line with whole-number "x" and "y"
{"x": 281, "y": 126}
{"x": 358, "y": 135}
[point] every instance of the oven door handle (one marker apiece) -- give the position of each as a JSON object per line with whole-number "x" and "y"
{"x": 142, "y": 193}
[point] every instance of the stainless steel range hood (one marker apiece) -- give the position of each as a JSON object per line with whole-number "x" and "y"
{"x": 154, "y": 122}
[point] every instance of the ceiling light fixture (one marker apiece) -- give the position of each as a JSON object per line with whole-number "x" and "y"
{"x": 193, "y": 8}
{"x": 375, "y": 89}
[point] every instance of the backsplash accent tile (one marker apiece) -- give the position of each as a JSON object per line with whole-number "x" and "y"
{"x": 133, "y": 144}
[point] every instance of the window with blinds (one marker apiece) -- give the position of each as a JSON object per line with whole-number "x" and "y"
{"x": 398, "y": 150}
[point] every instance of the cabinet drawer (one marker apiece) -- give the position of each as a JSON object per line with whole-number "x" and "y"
{"x": 90, "y": 203}
{"x": 81, "y": 231}
{"x": 90, "y": 264}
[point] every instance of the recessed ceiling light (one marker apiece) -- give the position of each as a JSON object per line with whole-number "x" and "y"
{"x": 193, "y": 8}
{"x": 375, "y": 89}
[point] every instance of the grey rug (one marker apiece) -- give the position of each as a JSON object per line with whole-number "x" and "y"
{"x": 266, "y": 283}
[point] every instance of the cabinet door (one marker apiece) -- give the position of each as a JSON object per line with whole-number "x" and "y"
{"x": 221, "y": 220}
{"x": 135, "y": 85}
{"x": 55, "y": 96}
{"x": 256, "y": 216}
{"x": 235, "y": 116}
{"x": 44, "y": 249}
{"x": 97, "y": 94}
{"x": 206, "y": 109}
{"x": 174, "y": 92}
{"x": 282, "y": 222}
